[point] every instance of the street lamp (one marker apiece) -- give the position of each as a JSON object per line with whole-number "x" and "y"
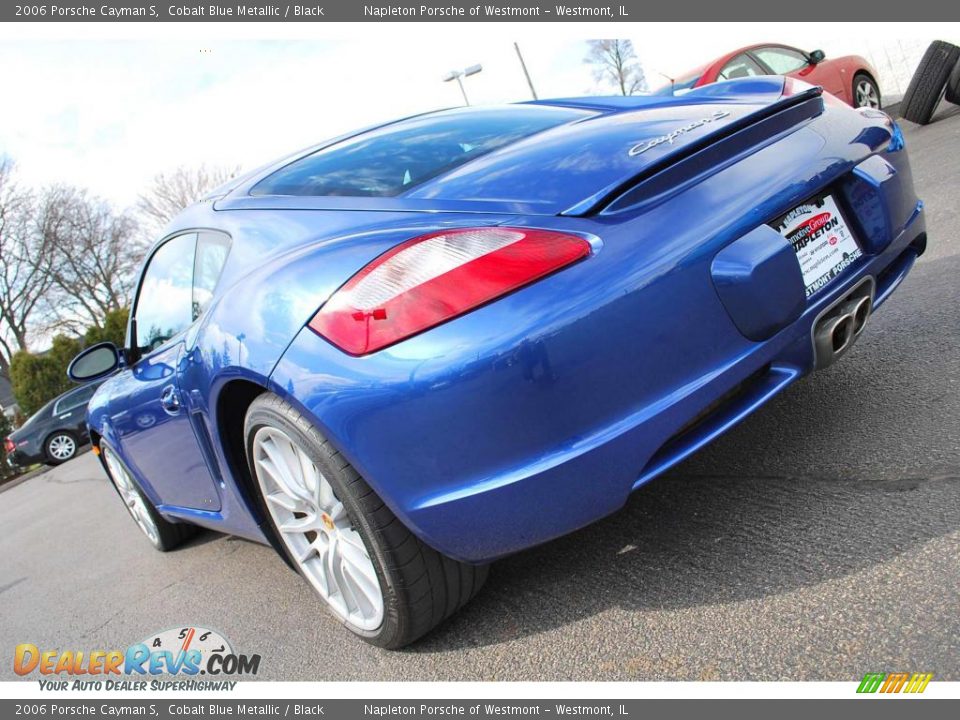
{"x": 458, "y": 75}
{"x": 673, "y": 82}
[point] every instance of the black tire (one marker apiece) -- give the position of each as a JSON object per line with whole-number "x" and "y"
{"x": 168, "y": 535}
{"x": 926, "y": 88}
{"x": 53, "y": 460}
{"x": 862, "y": 77}
{"x": 953, "y": 85}
{"x": 420, "y": 587}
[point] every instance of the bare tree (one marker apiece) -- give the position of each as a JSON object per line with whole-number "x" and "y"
{"x": 90, "y": 253}
{"x": 615, "y": 62}
{"x": 25, "y": 286}
{"x": 173, "y": 191}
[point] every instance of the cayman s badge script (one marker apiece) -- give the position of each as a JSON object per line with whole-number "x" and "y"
{"x": 642, "y": 147}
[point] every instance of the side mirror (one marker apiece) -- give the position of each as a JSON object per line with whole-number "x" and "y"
{"x": 94, "y": 362}
{"x": 816, "y": 57}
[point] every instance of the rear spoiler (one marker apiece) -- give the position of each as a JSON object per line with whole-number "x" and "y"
{"x": 695, "y": 161}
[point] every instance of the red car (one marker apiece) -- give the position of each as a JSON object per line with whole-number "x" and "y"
{"x": 850, "y": 77}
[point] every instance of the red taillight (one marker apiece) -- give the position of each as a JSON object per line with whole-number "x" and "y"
{"x": 434, "y": 278}
{"x": 8, "y": 445}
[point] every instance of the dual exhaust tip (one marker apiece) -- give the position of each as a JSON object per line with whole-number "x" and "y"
{"x": 838, "y": 327}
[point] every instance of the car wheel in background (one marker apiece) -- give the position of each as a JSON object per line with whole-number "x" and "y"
{"x": 162, "y": 534}
{"x": 928, "y": 83}
{"x": 953, "y": 85}
{"x": 865, "y": 91}
{"x": 377, "y": 577}
{"x": 60, "y": 447}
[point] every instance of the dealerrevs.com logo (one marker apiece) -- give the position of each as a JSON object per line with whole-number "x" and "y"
{"x": 185, "y": 651}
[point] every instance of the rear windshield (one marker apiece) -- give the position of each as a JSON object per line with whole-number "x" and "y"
{"x": 38, "y": 415}
{"x": 391, "y": 160}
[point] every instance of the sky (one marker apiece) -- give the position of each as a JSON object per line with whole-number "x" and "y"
{"x": 109, "y": 113}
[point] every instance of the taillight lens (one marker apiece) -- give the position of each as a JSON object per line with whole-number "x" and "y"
{"x": 434, "y": 278}
{"x": 8, "y": 445}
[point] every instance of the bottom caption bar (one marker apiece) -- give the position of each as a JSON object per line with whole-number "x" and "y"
{"x": 349, "y": 709}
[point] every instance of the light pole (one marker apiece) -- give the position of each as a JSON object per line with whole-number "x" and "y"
{"x": 673, "y": 82}
{"x": 525, "y": 73}
{"x": 458, "y": 75}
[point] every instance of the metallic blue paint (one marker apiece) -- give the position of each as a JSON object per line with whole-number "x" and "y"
{"x": 759, "y": 281}
{"x": 538, "y": 413}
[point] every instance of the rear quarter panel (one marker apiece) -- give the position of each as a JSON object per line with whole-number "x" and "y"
{"x": 282, "y": 266}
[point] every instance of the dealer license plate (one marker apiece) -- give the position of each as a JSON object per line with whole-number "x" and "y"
{"x": 824, "y": 245}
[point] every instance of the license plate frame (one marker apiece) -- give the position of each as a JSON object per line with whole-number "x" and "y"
{"x": 822, "y": 240}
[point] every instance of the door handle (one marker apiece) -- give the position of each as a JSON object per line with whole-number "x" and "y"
{"x": 170, "y": 399}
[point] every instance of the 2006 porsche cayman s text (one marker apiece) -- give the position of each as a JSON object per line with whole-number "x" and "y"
{"x": 412, "y": 350}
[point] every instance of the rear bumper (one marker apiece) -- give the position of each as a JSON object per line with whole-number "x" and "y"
{"x": 18, "y": 458}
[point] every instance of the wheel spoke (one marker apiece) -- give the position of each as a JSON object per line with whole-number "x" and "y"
{"x": 338, "y": 566}
{"x": 351, "y": 539}
{"x": 322, "y": 547}
{"x": 325, "y": 497}
{"x": 314, "y": 525}
{"x": 333, "y": 570}
{"x": 365, "y": 592}
{"x": 279, "y": 468}
{"x": 299, "y": 525}
{"x": 360, "y": 564}
{"x": 306, "y": 552}
{"x": 337, "y": 511}
{"x": 290, "y": 504}
{"x": 311, "y": 478}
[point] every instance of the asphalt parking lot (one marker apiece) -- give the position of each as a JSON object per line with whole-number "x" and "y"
{"x": 819, "y": 540}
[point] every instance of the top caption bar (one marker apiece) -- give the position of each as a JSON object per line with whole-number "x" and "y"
{"x": 516, "y": 11}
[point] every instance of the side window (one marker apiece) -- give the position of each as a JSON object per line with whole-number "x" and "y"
{"x": 740, "y": 66}
{"x": 74, "y": 400}
{"x": 781, "y": 60}
{"x": 212, "y": 250}
{"x": 165, "y": 301}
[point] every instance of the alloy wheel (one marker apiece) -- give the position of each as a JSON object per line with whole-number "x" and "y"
{"x": 131, "y": 495}
{"x": 866, "y": 95}
{"x": 62, "y": 447}
{"x": 316, "y": 529}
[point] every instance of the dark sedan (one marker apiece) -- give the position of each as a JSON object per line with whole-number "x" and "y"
{"x": 53, "y": 434}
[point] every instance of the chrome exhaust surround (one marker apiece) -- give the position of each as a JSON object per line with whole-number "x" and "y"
{"x": 838, "y": 326}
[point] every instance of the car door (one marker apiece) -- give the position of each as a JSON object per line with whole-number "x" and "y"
{"x": 148, "y": 409}
{"x": 70, "y": 411}
{"x": 780, "y": 60}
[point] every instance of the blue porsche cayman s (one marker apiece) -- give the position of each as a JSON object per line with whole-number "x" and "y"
{"x": 409, "y": 351}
